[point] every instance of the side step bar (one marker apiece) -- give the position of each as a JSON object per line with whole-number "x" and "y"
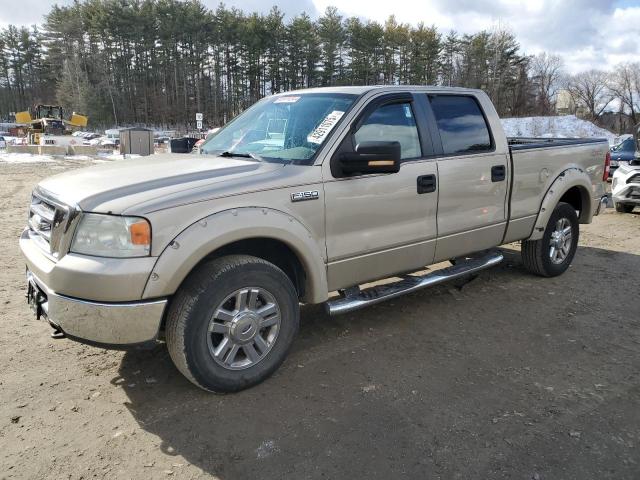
{"x": 354, "y": 298}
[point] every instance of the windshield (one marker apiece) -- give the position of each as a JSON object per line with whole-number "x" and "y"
{"x": 627, "y": 146}
{"x": 288, "y": 128}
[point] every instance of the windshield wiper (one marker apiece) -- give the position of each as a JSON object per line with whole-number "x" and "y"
{"x": 230, "y": 154}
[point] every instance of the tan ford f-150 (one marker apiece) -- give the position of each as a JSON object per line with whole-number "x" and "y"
{"x": 304, "y": 194}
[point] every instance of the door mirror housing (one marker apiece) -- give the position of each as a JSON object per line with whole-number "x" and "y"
{"x": 371, "y": 157}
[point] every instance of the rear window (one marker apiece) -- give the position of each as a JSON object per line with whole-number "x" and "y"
{"x": 463, "y": 128}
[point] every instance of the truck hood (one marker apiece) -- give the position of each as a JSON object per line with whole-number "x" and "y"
{"x": 623, "y": 156}
{"x": 121, "y": 185}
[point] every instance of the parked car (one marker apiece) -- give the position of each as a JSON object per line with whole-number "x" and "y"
{"x": 623, "y": 153}
{"x": 3, "y": 143}
{"x": 625, "y": 187}
{"x": 215, "y": 252}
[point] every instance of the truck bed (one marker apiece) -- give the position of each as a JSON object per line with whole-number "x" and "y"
{"x": 535, "y": 169}
{"x": 525, "y": 143}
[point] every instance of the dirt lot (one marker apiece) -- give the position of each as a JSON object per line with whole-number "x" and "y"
{"x": 508, "y": 376}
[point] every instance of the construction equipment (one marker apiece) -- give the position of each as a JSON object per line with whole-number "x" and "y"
{"x": 49, "y": 120}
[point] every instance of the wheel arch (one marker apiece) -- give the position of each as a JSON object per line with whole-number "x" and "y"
{"x": 573, "y": 186}
{"x": 265, "y": 233}
{"x": 272, "y": 250}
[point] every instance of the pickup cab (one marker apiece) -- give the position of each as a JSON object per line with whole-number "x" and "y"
{"x": 303, "y": 198}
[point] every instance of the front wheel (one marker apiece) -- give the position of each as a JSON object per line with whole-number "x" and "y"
{"x": 230, "y": 325}
{"x": 551, "y": 255}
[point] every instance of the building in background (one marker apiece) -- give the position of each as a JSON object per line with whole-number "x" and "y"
{"x": 566, "y": 105}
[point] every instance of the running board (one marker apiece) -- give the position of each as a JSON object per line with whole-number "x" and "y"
{"x": 354, "y": 298}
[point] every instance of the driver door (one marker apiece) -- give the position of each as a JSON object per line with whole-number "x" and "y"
{"x": 377, "y": 224}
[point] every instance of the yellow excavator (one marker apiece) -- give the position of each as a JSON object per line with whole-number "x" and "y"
{"x": 49, "y": 119}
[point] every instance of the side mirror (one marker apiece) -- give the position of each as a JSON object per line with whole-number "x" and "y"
{"x": 371, "y": 157}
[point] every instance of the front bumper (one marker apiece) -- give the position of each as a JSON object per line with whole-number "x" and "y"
{"x": 95, "y": 299}
{"x": 121, "y": 323}
{"x": 629, "y": 194}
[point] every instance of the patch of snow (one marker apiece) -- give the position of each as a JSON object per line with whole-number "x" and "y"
{"x": 566, "y": 126}
{"x": 25, "y": 158}
{"x": 34, "y": 158}
{"x": 13, "y": 140}
{"x": 119, "y": 156}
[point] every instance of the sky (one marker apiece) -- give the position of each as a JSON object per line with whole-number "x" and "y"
{"x": 585, "y": 33}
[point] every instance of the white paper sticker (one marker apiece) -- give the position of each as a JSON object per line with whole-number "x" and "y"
{"x": 286, "y": 100}
{"x": 322, "y": 130}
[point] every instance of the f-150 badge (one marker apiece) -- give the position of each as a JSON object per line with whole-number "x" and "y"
{"x": 301, "y": 196}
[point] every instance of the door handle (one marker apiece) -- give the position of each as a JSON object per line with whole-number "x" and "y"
{"x": 498, "y": 173}
{"x": 426, "y": 184}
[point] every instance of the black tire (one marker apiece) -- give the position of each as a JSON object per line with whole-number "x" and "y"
{"x": 536, "y": 253}
{"x": 193, "y": 306}
{"x": 624, "y": 207}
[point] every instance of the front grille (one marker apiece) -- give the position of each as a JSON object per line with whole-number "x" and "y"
{"x": 49, "y": 222}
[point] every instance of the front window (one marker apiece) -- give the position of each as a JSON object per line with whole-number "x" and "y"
{"x": 284, "y": 128}
{"x": 392, "y": 122}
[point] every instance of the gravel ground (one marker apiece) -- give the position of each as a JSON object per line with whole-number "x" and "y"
{"x": 506, "y": 376}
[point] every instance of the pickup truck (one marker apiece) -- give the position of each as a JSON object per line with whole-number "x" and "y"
{"x": 303, "y": 198}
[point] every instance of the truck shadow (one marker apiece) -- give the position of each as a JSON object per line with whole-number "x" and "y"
{"x": 410, "y": 387}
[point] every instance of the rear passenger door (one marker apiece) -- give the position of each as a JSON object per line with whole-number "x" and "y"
{"x": 472, "y": 175}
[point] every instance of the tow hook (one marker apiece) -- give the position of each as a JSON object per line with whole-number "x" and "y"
{"x": 602, "y": 205}
{"x": 57, "y": 333}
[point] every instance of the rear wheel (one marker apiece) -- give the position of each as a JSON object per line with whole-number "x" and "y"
{"x": 551, "y": 255}
{"x": 624, "y": 207}
{"x": 231, "y": 324}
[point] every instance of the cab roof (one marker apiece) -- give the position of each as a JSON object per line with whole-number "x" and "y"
{"x": 359, "y": 90}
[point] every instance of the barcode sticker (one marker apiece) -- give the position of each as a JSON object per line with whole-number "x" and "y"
{"x": 286, "y": 100}
{"x": 322, "y": 130}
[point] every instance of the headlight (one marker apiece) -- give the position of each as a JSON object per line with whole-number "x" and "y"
{"x": 112, "y": 236}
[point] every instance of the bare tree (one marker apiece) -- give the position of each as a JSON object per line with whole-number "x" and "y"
{"x": 591, "y": 90}
{"x": 626, "y": 88}
{"x": 546, "y": 72}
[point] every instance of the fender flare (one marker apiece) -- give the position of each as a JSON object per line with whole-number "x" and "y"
{"x": 572, "y": 177}
{"x": 210, "y": 233}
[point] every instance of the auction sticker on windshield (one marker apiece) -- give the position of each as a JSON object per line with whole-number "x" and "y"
{"x": 322, "y": 130}
{"x": 286, "y": 100}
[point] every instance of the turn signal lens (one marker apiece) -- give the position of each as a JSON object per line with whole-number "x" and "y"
{"x": 140, "y": 233}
